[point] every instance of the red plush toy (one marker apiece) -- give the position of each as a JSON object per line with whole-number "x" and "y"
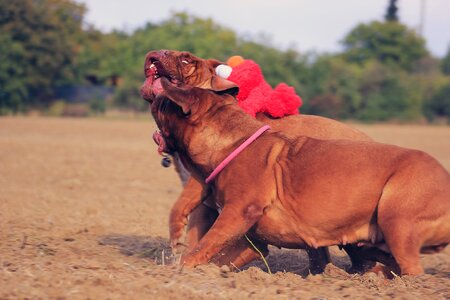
{"x": 255, "y": 94}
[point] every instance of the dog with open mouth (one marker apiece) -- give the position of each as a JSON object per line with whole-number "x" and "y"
{"x": 185, "y": 68}
{"x": 297, "y": 192}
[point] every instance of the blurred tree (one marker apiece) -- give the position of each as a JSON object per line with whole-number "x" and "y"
{"x": 391, "y": 43}
{"x": 384, "y": 73}
{"x": 391, "y": 13}
{"x": 180, "y": 32}
{"x": 118, "y": 53}
{"x": 40, "y": 41}
{"x": 13, "y": 88}
{"x": 331, "y": 88}
{"x": 387, "y": 94}
{"x": 439, "y": 105}
{"x": 445, "y": 64}
{"x": 125, "y": 55}
{"x": 104, "y": 56}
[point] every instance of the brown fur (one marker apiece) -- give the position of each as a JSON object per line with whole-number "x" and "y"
{"x": 300, "y": 191}
{"x": 200, "y": 73}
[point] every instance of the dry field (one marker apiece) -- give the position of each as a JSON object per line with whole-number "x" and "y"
{"x": 83, "y": 215}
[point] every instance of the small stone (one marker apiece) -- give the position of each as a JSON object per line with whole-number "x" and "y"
{"x": 371, "y": 276}
{"x": 225, "y": 269}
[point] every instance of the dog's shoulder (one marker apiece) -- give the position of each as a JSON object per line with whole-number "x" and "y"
{"x": 283, "y": 146}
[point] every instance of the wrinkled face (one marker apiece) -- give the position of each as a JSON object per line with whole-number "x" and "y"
{"x": 181, "y": 68}
{"x": 179, "y": 106}
{"x": 169, "y": 115}
{"x": 178, "y": 67}
{"x": 173, "y": 104}
{"x": 166, "y": 114}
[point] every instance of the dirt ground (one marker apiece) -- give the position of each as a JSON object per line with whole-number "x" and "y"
{"x": 84, "y": 210}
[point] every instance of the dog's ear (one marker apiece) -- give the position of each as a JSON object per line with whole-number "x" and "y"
{"x": 219, "y": 84}
{"x": 213, "y": 63}
{"x": 222, "y": 86}
{"x": 182, "y": 96}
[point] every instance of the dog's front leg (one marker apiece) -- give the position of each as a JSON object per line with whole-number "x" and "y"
{"x": 189, "y": 199}
{"x": 233, "y": 222}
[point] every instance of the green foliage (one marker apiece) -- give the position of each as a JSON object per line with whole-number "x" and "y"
{"x": 117, "y": 53}
{"x": 439, "y": 105}
{"x": 39, "y": 41}
{"x": 105, "y": 55}
{"x": 13, "y": 89}
{"x": 332, "y": 88}
{"x": 387, "y": 94}
{"x": 446, "y": 63}
{"x": 127, "y": 96}
{"x": 367, "y": 92}
{"x": 384, "y": 73}
{"x": 97, "y": 106}
{"x": 390, "y": 43}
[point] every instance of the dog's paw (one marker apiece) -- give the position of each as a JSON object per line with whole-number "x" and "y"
{"x": 189, "y": 261}
{"x": 175, "y": 234}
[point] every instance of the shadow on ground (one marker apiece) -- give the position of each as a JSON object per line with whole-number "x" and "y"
{"x": 153, "y": 248}
{"x": 158, "y": 250}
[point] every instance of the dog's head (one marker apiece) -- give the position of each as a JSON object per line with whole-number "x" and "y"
{"x": 182, "y": 68}
{"x": 179, "y": 108}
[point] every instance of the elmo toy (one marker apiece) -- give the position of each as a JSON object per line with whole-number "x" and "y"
{"x": 255, "y": 94}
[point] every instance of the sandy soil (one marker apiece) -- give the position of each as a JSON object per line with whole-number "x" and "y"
{"x": 83, "y": 215}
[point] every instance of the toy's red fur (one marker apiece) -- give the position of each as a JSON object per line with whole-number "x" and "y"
{"x": 256, "y": 95}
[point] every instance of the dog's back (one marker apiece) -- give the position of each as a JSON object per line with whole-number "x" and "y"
{"x": 347, "y": 183}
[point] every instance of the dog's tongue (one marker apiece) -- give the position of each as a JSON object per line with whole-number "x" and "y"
{"x": 157, "y": 87}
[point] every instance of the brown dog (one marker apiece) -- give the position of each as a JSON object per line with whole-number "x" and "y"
{"x": 297, "y": 192}
{"x": 183, "y": 67}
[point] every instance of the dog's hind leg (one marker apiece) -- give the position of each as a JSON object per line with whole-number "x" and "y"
{"x": 404, "y": 245}
{"x": 401, "y": 210}
{"x": 400, "y": 233}
{"x": 413, "y": 209}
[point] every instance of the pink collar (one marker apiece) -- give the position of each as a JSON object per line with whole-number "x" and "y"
{"x": 235, "y": 153}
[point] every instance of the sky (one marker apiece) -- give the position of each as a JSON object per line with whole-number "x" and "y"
{"x": 305, "y": 25}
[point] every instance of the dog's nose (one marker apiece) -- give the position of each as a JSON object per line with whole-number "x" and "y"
{"x": 163, "y": 52}
{"x": 156, "y": 55}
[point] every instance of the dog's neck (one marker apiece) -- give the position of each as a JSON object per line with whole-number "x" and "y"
{"x": 211, "y": 140}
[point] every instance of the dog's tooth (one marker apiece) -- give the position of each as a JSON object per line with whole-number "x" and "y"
{"x": 152, "y": 66}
